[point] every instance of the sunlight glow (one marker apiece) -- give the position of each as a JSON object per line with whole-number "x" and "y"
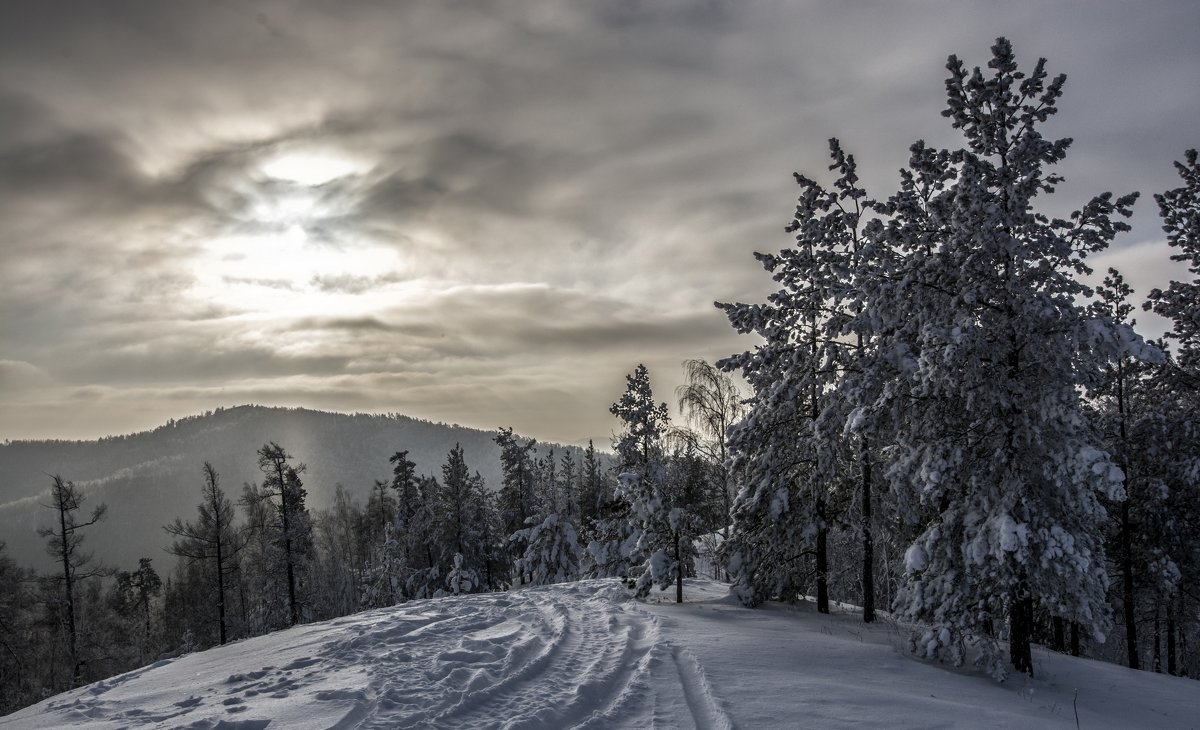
{"x": 310, "y": 167}
{"x": 279, "y": 273}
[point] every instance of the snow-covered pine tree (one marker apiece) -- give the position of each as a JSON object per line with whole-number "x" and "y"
{"x": 464, "y": 516}
{"x": 425, "y": 572}
{"x": 551, "y": 541}
{"x": 994, "y": 461}
{"x": 493, "y": 555}
{"x": 786, "y": 449}
{"x": 643, "y": 537}
{"x": 552, "y": 552}
{"x": 461, "y": 579}
{"x": 613, "y": 550}
{"x": 1115, "y": 416}
{"x": 1164, "y": 442}
{"x": 1179, "y": 209}
{"x": 458, "y": 530}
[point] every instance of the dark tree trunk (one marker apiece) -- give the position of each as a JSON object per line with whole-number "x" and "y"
{"x": 1157, "y": 658}
{"x": 293, "y": 610}
{"x": 868, "y": 541}
{"x": 220, "y": 585}
{"x": 822, "y": 559}
{"x": 1074, "y": 639}
{"x": 1020, "y": 629}
{"x": 1127, "y": 586}
{"x": 1060, "y": 639}
{"x": 68, "y": 591}
{"x": 1172, "y": 666}
{"x": 678, "y": 572}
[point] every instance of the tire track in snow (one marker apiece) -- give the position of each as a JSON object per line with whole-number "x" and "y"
{"x": 576, "y": 655}
{"x": 702, "y": 703}
{"x": 589, "y": 656}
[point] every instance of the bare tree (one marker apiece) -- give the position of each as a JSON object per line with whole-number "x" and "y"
{"x": 710, "y": 402}
{"x": 63, "y": 546}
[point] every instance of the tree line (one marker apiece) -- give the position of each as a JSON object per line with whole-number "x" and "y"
{"x": 945, "y": 415}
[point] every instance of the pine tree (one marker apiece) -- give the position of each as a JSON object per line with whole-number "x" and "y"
{"x": 294, "y": 529}
{"x": 135, "y": 590}
{"x": 404, "y": 483}
{"x": 456, "y": 495}
{"x": 518, "y": 499}
{"x": 788, "y": 447}
{"x": 551, "y": 551}
{"x": 592, "y": 494}
{"x": 989, "y": 347}
{"x": 211, "y": 538}
{"x": 1179, "y": 209}
{"x": 641, "y": 530}
{"x": 1165, "y": 441}
{"x": 1116, "y": 422}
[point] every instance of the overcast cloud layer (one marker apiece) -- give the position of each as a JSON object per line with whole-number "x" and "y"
{"x": 484, "y": 213}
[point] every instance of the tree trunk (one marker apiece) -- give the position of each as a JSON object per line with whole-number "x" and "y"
{"x": 1074, "y": 639}
{"x": 294, "y": 613}
{"x": 678, "y": 572}
{"x": 1127, "y": 585}
{"x": 822, "y": 559}
{"x": 1060, "y": 639}
{"x": 1020, "y": 628}
{"x": 868, "y": 541}
{"x": 220, "y": 585}
{"x": 1156, "y": 660}
{"x": 68, "y": 591}
{"x": 1172, "y": 667}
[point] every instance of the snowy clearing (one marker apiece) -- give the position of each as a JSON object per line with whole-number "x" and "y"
{"x": 586, "y": 655}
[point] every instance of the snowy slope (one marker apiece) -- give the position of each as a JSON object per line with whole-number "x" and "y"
{"x": 585, "y": 655}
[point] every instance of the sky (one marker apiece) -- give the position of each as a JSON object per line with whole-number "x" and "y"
{"x": 485, "y": 213}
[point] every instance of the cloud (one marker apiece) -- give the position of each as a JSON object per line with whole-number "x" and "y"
{"x": 17, "y": 376}
{"x": 543, "y": 193}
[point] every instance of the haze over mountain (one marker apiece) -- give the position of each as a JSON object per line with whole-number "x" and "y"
{"x": 147, "y": 479}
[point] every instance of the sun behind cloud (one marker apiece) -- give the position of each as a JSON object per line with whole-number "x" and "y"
{"x": 283, "y": 242}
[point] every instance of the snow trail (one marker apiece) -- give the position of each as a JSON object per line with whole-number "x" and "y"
{"x": 578, "y": 655}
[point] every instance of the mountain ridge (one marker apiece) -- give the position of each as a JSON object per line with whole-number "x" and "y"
{"x": 150, "y": 477}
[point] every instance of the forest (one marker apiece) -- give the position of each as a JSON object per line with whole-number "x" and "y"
{"x": 944, "y": 423}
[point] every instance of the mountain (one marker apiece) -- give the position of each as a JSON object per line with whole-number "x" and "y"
{"x": 147, "y": 479}
{"x": 585, "y": 655}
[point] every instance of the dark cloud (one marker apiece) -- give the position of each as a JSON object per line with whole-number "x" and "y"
{"x": 543, "y": 193}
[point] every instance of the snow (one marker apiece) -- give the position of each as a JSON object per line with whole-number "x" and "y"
{"x": 586, "y": 655}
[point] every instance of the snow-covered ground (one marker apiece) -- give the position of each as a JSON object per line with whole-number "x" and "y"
{"x": 586, "y": 655}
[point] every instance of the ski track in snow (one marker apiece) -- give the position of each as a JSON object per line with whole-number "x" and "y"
{"x": 581, "y": 655}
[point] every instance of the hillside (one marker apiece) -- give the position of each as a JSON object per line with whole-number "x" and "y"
{"x": 585, "y": 655}
{"x": 147, "y": 479}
